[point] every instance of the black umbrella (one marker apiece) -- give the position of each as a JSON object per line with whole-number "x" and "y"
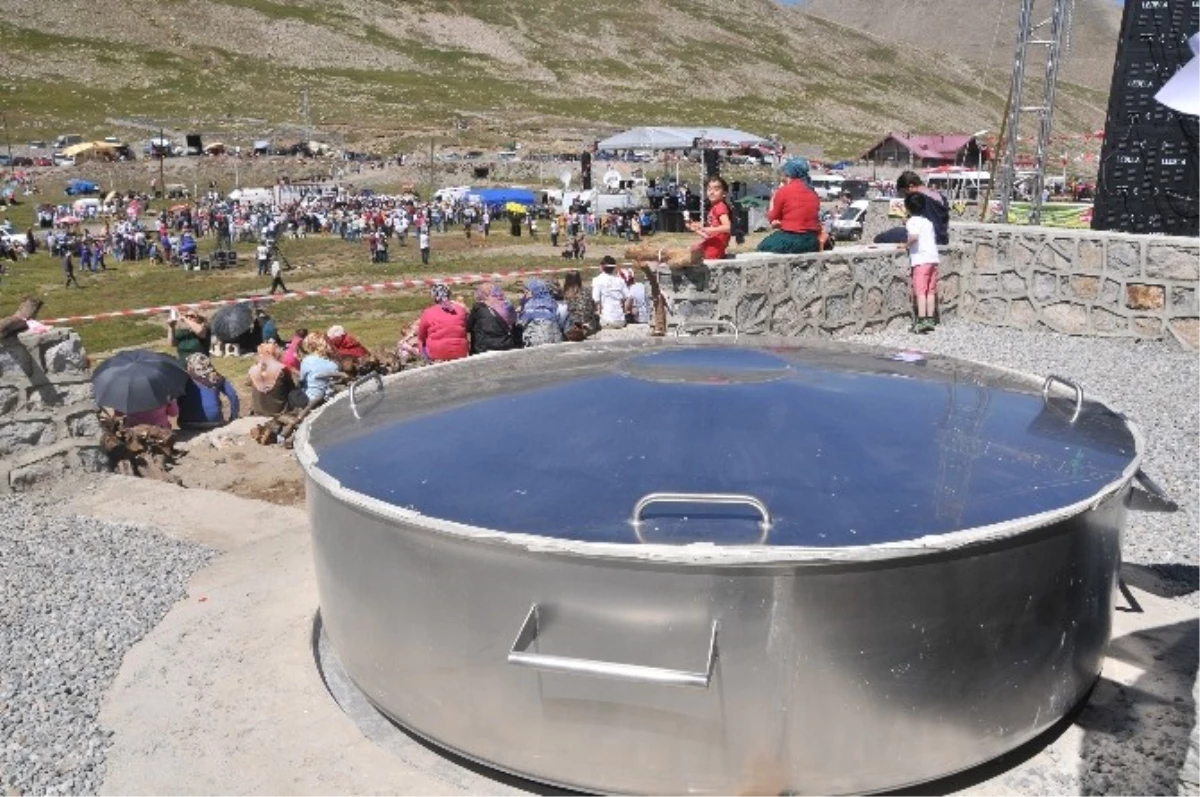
{"x": 232, "y": 321}
{"x": 138, "y": 380}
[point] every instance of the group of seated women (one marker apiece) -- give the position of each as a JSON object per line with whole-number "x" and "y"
{"x": 545, "y": 313}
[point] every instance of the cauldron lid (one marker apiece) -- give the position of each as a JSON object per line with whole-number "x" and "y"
{"x": 843, "y": 446}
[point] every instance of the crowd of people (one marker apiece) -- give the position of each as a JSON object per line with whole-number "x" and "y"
{"x": 309, "y": 368}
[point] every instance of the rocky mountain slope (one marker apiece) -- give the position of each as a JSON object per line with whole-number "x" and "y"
{"x": 984, "y": 32}
{"x": 385, "y": 74}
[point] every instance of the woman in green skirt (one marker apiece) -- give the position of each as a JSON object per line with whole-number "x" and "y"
{"x": 794, "y": 214}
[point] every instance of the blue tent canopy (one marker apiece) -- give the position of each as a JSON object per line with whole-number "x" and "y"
{"x": 501, "y": 196}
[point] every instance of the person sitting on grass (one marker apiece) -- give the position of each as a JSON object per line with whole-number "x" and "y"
{"x": 200, "y": 405}
{"x": 343, "y": 344}
{"x": 271, "y": 382}
{"x": 319, "y": 372}
{"x": 442, "y": 328}
{"x": 189, "y": 334}
{"x": 923, "y": 260}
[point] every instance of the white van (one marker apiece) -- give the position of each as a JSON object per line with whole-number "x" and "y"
{"x": 253, "y": 196}
{"x": 827, "y": 186}
{"x": 849, "y": 226}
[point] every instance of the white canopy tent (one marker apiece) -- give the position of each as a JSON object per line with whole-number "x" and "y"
{"x": 682, "y": 138}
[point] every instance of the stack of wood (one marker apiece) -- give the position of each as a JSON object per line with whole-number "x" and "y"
{"x": 670, "y": 256}
{"x": 279, "y": 427}
{"x": 145, "y": 451}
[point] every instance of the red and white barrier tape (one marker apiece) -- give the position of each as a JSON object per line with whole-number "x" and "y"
{"x": 344, "y": 290}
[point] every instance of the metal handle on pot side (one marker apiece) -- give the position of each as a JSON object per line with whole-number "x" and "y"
{"x": 354, "y": 386}
{"x": 635, "y": 673}
{"x": 725, "y": 499}
{"x": 702, "y": 324}
{"x": 1149, "y": 496}
{"x": 1068, "y": 383}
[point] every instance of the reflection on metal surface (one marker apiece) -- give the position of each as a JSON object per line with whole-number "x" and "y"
{"x": 633, "y": 673}
{"x": 959, "y": 446}
{"x": 375, "y": 377}
{"x": 1050, "y": 380}
{"x": 698, "y": 323}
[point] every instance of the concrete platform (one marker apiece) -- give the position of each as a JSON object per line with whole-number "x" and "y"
{"x": 223, "y": 696}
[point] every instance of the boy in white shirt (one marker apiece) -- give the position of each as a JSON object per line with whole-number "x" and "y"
{"x": 610, "y": 294}
{"x": 923, "y": 257}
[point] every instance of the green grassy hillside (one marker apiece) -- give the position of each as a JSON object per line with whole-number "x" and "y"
{"x": 384, "y": 75}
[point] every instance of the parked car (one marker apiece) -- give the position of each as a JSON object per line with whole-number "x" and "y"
{"x": 21, "y": 160}
{"x": 849, "y": 226}
{"x": 63, "y": 160}
{"x": 43, "y": 161}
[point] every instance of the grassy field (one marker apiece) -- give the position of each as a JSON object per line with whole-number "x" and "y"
{"x": 317, "y": 262}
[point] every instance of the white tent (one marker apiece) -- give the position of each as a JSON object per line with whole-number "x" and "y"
{"x": 682, "y": 138}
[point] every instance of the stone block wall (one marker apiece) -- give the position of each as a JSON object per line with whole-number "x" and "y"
{"x": 846, "y": 291}
{"x": 48, "y": 420}
{"x": 1082, "y": 282}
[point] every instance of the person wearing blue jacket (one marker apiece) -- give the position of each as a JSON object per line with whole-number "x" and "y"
{"x": 200, "y": 405}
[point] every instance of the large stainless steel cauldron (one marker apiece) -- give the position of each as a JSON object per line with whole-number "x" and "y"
{"x": 684, "y": 566}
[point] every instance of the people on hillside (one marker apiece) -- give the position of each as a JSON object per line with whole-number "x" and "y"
{"x": 717, "y": 226}
{"x": 200, "y": 405}
{"x": 543, "y": 318}
{"x": 610, "y": 292}
{"x": 582, "y": 318}
{"x": 491, "y": 320}
{"x": 794, "y": 214}
{"x": 270, "y": 382}
{"x": 189, "y": 334}
{"x": 343, "y": 344}
{"x": 442, "y": 327}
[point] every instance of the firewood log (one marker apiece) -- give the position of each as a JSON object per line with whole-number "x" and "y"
{"x": 671, "y": 256}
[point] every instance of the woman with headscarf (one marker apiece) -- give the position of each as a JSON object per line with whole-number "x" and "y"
{"x": 794, "y": 214}
{"x": 582, "y": 318}
{"x": 491, "y": 320}
{"x": 200, "y": 405}
{"x": 344, "y": 344}
{"x": 543, "y": 318}
{"x": 319, "y": 373}
{"x": 270, "y": 381}
{"x": 442, "y": 327}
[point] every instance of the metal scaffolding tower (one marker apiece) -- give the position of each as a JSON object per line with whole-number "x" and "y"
{"x": 1057, "y": 45}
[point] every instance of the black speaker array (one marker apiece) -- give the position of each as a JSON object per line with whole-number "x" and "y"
{"x": 585, "y": 170}
{"x": 1149, "y": 178}
{"x": 712, "y": 164}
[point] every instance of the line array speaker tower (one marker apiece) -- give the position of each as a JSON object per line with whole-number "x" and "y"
{"x": 1148, "y": 180}
{"x": 585, "y": 170}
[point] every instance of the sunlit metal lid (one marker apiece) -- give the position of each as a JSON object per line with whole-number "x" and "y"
{"x": 818, "y": 446}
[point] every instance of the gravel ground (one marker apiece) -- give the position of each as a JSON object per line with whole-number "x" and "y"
{"x": 75, "y": 595}
{"x": 1156, "y": 384}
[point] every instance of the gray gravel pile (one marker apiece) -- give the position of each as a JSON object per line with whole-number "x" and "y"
{"x": 1157, "y": 385}
{"x": 75, "y": 595}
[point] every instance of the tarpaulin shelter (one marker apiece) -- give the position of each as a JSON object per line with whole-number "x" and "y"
{"x": 92, "y": 149}
{"x": 657, "y": 138}
{"x": 502, "y": 196}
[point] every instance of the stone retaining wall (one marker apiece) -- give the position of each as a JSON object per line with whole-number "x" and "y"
{"x": 1082, "y": 282}
{"x": 846, "y": 291}
{"x": 48, "y": 420}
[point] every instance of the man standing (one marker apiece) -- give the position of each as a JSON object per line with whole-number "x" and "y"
{"x": 264, "y": 258}
{"x": 68, "y": 267}
{"x": 937, "y": 209}
{"x": 423, "y": 243}
{"x": 554, "y": 232}
{"x": 277, "y": 277}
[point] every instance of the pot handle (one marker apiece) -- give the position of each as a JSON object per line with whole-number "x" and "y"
{"x": 634, "y": 673}
{"x": 374, "y": 376}
{"x": 1062, "y": 380}
{"x": 1149, "y": 496}
{"x": 726, "y": 499}
{"x": 702, "y": 324}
